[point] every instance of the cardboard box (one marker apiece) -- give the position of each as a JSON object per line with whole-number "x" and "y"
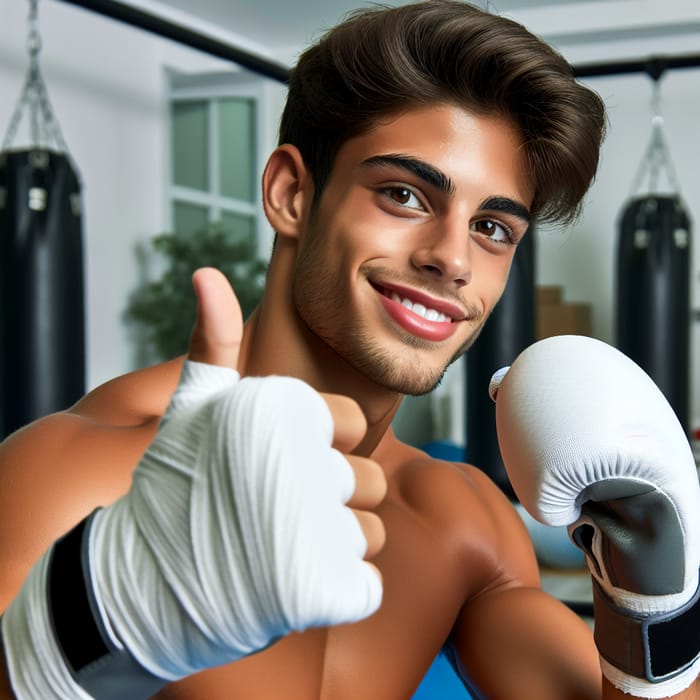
{"x": 549, "y": 295}
{"x": 556, "y": 317}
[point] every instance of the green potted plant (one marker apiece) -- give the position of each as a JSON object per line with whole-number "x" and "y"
{"x": 162, "y": 311}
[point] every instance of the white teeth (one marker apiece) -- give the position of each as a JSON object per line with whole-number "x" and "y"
{"x": 428, "y": 314}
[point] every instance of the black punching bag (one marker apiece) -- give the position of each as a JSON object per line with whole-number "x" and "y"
{"x": 42, "y": 360}
{"x": 653, "y": 294}
{"x": 508, "y": 331}
{"x": 42, "y": 318}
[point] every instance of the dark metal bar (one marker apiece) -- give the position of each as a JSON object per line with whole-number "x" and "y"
{"x": 654, "y": 67}
{"x": 183, "y": 35}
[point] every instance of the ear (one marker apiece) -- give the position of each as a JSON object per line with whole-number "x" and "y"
{"x": 287, "y": 190}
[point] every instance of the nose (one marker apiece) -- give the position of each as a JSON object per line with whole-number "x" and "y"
{"x": 445, "y": 254}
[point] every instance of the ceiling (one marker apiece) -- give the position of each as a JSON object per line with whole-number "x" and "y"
{"x": 279, "y": 29}
{"x": 285, "y": 23}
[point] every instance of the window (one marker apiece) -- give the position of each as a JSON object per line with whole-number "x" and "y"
{"x": 217, "y": 125}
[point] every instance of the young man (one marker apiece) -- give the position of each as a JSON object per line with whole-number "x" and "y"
{"x": 416, "y": 146}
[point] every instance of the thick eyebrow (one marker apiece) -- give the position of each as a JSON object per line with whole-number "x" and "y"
{"x": 419, "y": 168}
{"x": 442, "y": 182}
{"x": 507, "y": 206}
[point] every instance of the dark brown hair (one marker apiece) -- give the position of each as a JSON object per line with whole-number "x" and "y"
{"x": 384, "y": 60}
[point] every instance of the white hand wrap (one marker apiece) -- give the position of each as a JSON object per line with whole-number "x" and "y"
{"x": 35, "y": 662}
{"x": 234, "y": 532}
{"x": 590, "y": 442}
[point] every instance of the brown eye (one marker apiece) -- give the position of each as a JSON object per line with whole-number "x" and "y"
{"x": 486, "y": 227}
{"x": 493, "y": 230}
{"x": 401, "y": 195}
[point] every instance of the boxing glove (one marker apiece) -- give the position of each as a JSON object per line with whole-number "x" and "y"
{"x": 233, "y": 533}
{"x": 589, "y": 441}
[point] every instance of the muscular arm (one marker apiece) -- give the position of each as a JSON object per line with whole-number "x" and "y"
{"x": 511, "y": 639}
{"x": 57, "y": 470}
{"x": 520, "y": 642}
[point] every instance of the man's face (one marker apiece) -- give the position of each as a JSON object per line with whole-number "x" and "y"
{"x": 412, "y": 241}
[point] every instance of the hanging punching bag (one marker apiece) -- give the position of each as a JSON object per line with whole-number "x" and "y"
{"x": 508, "y": 331}
{"x": 41, "y": 286}
{"x": 653, "y": 294}
{"x": 42, "y": 336}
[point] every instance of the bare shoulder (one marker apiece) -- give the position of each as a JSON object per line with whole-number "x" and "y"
{"x": 460, "y": 503}
{"x": 56, "y": 470}
{"x": 133, "y": 398}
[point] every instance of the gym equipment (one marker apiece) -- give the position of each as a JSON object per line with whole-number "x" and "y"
{"x": 42, "y": 317}
{"x": 653, "y": 276}
{"x": 508, "y": 331}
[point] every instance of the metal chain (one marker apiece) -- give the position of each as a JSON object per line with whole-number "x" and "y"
{"x": 657, "y": 155}
{"x": 34, "y": 75}
{"x": 44, "y": 129}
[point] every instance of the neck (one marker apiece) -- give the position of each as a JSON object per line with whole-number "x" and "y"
{"x": 277, "y": 341}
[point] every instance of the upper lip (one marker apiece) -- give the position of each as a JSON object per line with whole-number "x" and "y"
{"x": 454, "y": 311}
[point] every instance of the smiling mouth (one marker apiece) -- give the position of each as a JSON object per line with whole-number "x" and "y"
{"x": 423, "y": 305}
{"x": 420, "y": 314}
{"x": 418, "y": 308}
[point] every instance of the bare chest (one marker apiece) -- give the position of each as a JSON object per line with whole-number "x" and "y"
{"x": 383, "y": 658}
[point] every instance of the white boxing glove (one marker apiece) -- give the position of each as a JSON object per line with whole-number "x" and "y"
{"x": 590, "y": 442}
{"x": 233, "y": 533}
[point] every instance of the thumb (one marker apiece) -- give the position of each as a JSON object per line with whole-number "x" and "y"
{"x": 218, "y": 328}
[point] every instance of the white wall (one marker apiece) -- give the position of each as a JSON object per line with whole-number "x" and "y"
{"x": 108, "y": 86}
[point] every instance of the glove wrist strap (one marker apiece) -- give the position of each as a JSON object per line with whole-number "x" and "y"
{"x": 657, "y": 647}
{"x": 98, "y": 662}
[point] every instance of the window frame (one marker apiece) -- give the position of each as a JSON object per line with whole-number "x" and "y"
{"x": 210, "y": 88}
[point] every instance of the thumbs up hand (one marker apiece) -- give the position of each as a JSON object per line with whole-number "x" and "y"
{"x": 238, "y": 527}
{"x": 245, "y": 520}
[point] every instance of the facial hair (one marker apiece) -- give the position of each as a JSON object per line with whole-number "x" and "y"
{"x": 320, "y": 302}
